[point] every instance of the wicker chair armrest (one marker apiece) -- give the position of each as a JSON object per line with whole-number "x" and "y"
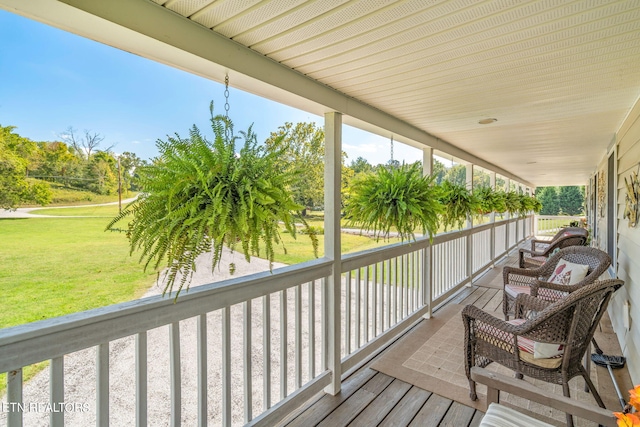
{"x": 471, "y": 313}
{"x": 535, "y": 242}
{"x": 540, "y": 241}
{"x": 520, "y": 276}
{"x": 537, "y": 247}
{"x": 532, "y": 253}
{"x": 539, "y": 284}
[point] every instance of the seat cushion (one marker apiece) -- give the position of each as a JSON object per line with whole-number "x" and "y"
{"x": 545, "y": 355}
{"x": 502, "y": 416}
{"x": 568, "y": 273}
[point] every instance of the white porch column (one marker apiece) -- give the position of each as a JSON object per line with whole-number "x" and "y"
{"x": 427, "y": 161}
{"x": 492, "y": 219}
{"x": 427, "y": 259}
{"x": 469, "y": 184}
{"x": 534, "y": 226}
{"x": 518, "y": 190}
{"x": 492, "y": 184}
{"x": 332, "y": 249}
{"x": 507, "y": 216}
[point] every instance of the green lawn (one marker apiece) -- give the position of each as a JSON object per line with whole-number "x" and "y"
{"x": 297, "y": 250}
{"x": 300, "y": 249}
{"x": 54, "y": 266}
{"x": 50, "y": 267}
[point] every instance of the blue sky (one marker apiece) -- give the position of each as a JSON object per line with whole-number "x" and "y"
{"x": 52, "y": 80}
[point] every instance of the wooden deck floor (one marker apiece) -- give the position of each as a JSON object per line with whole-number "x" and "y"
{"x": 370, "y": 398}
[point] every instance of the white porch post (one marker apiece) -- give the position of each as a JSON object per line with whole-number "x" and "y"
{"x": 518, "y": 189}
{"x": 427, "y": 260}
{"x": 534, "y": 225}
{"x": 507, "y": 216}
{"x": 492, "y": 219}
{"x": 427, "y": 161}
{"x": 332, "y": 249}
{"x": 469, "y": 183}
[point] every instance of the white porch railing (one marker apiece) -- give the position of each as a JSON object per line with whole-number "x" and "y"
{"x": 259, "y": 342}
{"x": 548, "y": 225}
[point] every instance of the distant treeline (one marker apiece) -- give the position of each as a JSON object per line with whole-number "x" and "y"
{"x": 567, "y": 200}
{"x": 76, "y": 161}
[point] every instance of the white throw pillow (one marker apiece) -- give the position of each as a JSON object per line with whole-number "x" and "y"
{"x": 543, "y": 350}
{"x": 568, "y": 273}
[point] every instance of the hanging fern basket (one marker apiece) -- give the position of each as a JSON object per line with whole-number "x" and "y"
{"x": 199, "y": 196}
{"x": 459, "y": 204}
{"x": 395, "y": 200}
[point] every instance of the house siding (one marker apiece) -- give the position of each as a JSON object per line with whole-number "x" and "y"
{"x": 628, "y": 245}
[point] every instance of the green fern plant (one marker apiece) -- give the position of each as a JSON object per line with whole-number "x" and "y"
{"x": 399, "y": 198}
{"x": 459, "y": 203}
{"x": 529, "y": 204}
{"x": 486, "y": 200}
{"x": 537, "y": 205}
{"x": 513, "y": 203}
{"x": 199, "y": 196}
{"x": 499, "y": 201}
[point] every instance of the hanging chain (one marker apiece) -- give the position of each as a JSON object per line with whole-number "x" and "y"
{"x": 226, "y": 106}
{"x": 391, "y": 150}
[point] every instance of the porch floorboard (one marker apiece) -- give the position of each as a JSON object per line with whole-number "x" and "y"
{"x": 371, "y": 398}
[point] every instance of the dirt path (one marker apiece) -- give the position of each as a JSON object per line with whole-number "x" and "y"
{"x": 26, "y": 212}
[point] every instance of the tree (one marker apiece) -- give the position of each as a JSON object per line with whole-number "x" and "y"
{"x": 571, "y": 200}
{"x": 457, "y": 175}
{"x": 85, "y": 145}
{"x": 439, "y": 171}
{"x": 548, "y": 196}
{"x": 361, "y": 165}
{"x": 136, "y": 176}
{"x": 302, "y": 147}
{"x": 129, "y": 162}
{"x": 394, "y": 164}
{"x": 481, "y": 179}
{"x": 101, "y": 173}
{"x": 15, "y": 189}
{"x": 58, "y": 162}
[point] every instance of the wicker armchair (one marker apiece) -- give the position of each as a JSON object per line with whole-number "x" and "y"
{"x": 535, "y": 281}
{"x": 538, "y": 245}
{"x": 534, "y": 259}
{"x": 569, "y": 322}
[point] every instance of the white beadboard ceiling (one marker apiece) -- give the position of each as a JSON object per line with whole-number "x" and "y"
{"x": 559, "y": 76}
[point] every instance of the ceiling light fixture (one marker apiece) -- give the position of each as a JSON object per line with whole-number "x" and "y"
{"x": 487, "y": 121}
